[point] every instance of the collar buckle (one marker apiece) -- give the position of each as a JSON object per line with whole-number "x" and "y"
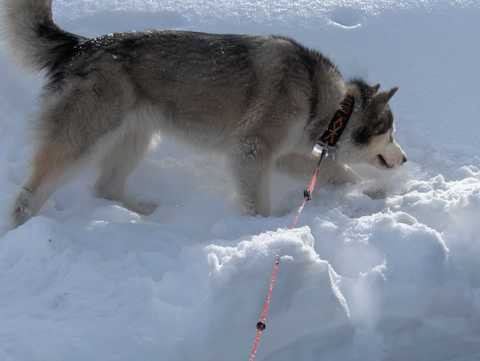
{"x": 328, "y": 151}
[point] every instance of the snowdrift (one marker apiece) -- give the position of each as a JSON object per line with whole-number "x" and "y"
{"x": 396, "y": 278}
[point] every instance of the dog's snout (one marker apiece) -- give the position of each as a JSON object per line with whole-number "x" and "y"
{"x": 404, "y": 159}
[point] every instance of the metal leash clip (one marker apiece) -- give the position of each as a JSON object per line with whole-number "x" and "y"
{"x": 325, "y": 149}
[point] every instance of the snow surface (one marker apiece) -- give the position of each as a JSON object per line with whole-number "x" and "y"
{"x": 373, "y": 280}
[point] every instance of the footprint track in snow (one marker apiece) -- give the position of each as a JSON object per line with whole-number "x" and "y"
{"x": 346, "y": 18}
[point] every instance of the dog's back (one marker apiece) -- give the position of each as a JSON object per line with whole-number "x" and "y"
{"x": 196, "y": 83}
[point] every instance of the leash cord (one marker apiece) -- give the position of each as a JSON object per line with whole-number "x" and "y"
{"x": 307, "y": 195}
{"x": 262, "y": 323}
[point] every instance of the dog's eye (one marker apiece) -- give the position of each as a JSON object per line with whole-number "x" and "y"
{"x": 391, "y": 138}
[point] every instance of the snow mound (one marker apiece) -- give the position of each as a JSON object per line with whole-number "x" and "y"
{"x": 239, "y": 275}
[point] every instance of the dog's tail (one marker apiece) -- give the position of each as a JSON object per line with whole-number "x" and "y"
{"x": 35, "y": 39}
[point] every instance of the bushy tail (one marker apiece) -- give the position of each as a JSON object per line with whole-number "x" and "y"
{"x": 35, "y": 39}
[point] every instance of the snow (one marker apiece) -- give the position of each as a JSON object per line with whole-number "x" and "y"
{"x": 396, "y": 278}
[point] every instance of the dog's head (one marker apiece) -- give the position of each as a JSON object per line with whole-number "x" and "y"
{"x": 370, "y": 134}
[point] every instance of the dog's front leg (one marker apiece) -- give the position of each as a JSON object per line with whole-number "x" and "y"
{"x": 338, "y": 173}
{"x": 251, "y": 162}
{"x": 296, "y": 165}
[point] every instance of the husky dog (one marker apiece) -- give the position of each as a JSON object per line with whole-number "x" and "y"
{"x": 260, "y": 100}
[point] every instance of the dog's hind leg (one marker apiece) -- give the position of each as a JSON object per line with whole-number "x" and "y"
{"x": 120, "y": 160}
{"x": 49, "y": 168}
{"x": 72, "y": 124}
{"x": 252, "y": 164}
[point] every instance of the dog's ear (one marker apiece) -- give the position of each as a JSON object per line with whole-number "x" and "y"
{"x": 379, "y": 102}
{"x": 384, "y": 97}
{"x": 374, "y": 89}
{"x": 392, "y": 92}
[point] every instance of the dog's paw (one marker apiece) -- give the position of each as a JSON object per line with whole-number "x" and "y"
{"x": 375, "y": 193}
{"x": 141, "y": 207}
{"x": 22, "y": 210}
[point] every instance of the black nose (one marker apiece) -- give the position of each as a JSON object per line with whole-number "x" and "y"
{"x": 405, "y": 160}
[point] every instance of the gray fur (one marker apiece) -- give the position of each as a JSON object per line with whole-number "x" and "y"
{"x": 256, "y": 99}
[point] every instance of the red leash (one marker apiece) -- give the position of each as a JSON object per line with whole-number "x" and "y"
{"x": 262, "y": 323}
{"x": 326, "y": 143}
{"x": 307, "y": 195}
